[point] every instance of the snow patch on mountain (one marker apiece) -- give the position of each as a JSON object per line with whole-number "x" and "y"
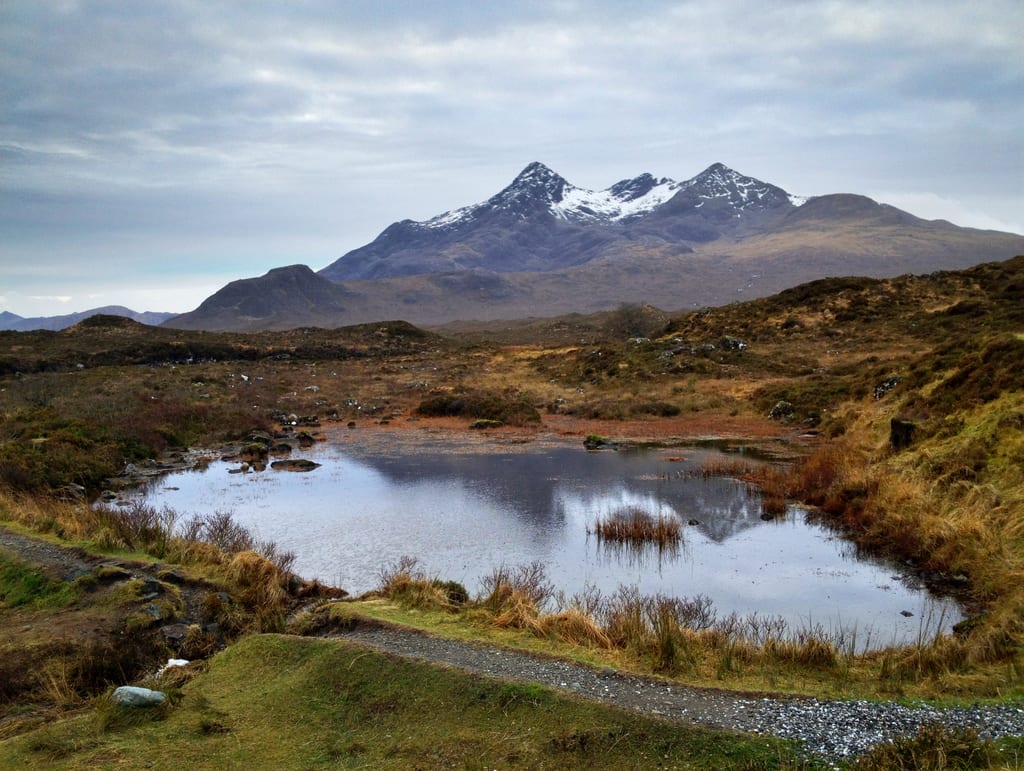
{"x": 718, "y": 181}
{"x": 538, "y": 188}
{"x": 618, "y": 202}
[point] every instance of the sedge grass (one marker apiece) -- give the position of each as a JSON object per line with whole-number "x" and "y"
{"x": 633, "y": 525}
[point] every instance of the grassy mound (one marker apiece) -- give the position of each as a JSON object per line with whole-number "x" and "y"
{"x": 285, "y": 702}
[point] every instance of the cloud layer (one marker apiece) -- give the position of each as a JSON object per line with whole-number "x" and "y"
{"x": 170, "y": 147}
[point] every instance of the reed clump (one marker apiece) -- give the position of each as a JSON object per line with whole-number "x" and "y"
{"x": 576, "y": 628}
{"x": 406, "y": 583}
{"x": 774, "y": 484}
{"x": 634, "y": 525}
{"x": 686, "y": 635}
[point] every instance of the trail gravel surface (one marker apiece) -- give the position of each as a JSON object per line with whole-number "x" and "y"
{"x": 829, "y": 729}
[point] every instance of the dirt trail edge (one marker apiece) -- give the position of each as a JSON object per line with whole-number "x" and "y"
{"x": 832, "y": 729}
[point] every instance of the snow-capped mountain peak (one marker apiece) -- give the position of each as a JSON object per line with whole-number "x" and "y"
{"x": 535, "y": 187}
{"x": 718, "y": 181}
{"x": 537, "y": 190}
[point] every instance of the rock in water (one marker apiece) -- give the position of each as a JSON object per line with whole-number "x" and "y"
{"x": 297, "y": 464}
{"x": 133, "y": 696}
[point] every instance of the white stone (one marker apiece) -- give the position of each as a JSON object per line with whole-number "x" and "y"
{"x": 133, "y": 696}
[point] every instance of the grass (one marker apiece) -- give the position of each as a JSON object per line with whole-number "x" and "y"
{"x": 65, "y": 641}
{"x": 283, "y": 702}
{"x": 214, "y": 543}
{"x": 634, "y": 525}
{"x": 25, "y": 585}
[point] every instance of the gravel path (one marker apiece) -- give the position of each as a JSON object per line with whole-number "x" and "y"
{"x": 830, "y": 729}
{"x": 61, "y": 562}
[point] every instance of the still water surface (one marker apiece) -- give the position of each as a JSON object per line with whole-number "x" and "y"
{"x": 463, "y": 509}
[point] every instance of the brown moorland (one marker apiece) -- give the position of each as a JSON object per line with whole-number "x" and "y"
{"x": 901, "y": 400}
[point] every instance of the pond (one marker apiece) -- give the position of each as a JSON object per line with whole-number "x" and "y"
{"x": 466, "y": 507}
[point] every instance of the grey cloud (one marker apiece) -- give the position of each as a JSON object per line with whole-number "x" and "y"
{"x": 329, "y": 120}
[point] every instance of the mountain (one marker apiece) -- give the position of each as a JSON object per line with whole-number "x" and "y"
{"x": 284, "y": 298}
{"x": 541, "y": 222}
{"x": 543, "y": 247}
{"x": 13, "y": 322}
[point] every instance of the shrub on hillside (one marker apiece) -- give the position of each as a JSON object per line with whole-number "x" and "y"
{"x": 480, "y": 405}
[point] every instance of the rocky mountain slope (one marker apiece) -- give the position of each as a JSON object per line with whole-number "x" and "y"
{"x": 543, "y": 247}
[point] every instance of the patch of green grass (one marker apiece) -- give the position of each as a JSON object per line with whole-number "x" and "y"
{"x": 24, "y": 585}
{"x": 283, "y": 702}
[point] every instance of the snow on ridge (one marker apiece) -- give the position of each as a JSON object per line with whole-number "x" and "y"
{"x": 720, "y": 181}
{"x": 578, "y": 203}
{"x": 614, "y": 204}
{"x": 451, "y": 218}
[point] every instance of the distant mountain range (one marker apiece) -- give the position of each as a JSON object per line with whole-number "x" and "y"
{"x": 543, "y": 247}
{"x": 11, "y": 321}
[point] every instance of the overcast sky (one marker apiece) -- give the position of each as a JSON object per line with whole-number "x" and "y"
{"x": 151, "y": 152}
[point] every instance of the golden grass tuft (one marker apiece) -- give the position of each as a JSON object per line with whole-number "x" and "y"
{"x": 261, "y": 587}
{"x": 576, "y": 628}
{"x": 634, "y": 525}
{"x": 518, "y": 611}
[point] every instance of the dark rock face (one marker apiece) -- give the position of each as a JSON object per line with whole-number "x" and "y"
{"x": 901, "y": 433}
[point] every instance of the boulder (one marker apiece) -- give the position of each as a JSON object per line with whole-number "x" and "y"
{"x": 295, "y": 464}
{"x": 174, "y": 634}
{"x": 133, "y": 696}
{"x": 72, "y": 493}
{"x": 881, "y": 389}
{"x": 783, "y": 411}
{"x": 733, "y": 343}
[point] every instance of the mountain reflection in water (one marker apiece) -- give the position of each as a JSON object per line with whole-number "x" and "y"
{"x": 466, "y": 508}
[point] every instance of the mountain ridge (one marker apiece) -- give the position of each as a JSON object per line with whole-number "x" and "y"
{"x": 12, "y": 322}
{"x": 542, "y": 246}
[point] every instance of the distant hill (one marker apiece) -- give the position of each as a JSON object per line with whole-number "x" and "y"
{"x": 11, "y": 321}
{"x": 543, "y": 247}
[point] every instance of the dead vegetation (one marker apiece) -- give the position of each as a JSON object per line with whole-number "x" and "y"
{"x": 635, "y": 526}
